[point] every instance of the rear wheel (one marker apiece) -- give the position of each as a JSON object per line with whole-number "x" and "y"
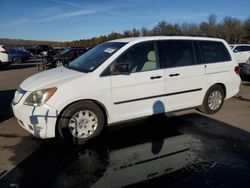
{"x": 213, "y": 100}
{"x": 17, "y": 60}
{"x": 81, "y": 121}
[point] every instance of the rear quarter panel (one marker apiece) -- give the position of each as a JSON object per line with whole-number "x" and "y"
{"x": 223, "y": 73}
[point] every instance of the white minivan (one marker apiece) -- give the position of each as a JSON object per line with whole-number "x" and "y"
{"x": 126, "y": 79}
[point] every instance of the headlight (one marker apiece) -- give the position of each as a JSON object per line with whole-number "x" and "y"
{"x": 39, "y": 97}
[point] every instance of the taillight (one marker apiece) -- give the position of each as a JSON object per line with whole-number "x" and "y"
{"x": 237, "y": 69}
{"x": 5, "y": 50}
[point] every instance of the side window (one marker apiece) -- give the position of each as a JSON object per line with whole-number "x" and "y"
{"x": 245, "y": 48}
{"x": 214, "y": 52}
{"x": 140, "y": 57}
{"x": 179, "y": 53}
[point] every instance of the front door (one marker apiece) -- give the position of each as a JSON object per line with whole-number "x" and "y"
{"x": 138, "y": 93}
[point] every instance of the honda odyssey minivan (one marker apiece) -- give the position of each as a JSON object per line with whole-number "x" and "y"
{"x": 126, "y": 79}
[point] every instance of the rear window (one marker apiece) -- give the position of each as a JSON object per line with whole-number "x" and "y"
{"x": 214, "y": 52}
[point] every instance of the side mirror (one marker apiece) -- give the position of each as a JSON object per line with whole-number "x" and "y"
{"x": 235, "y": 51}
{"x": 120, "y": 69}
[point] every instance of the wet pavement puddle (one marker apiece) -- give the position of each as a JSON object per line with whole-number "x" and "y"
{"x": 186, "y": 151}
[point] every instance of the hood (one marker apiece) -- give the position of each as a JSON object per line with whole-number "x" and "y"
{"x": 50, "y": 78}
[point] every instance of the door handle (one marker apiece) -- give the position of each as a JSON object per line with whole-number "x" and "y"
{"x": 176, "y": 74}
{"x": 155, "y": 77}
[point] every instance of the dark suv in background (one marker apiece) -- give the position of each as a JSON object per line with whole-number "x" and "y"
{"x": 40, "y": 50}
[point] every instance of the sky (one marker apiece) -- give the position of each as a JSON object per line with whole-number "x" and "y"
{"x": 67, "y": 20}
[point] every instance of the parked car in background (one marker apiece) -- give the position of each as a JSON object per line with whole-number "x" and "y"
{"x": 66, "y": 56}
{"x": 59, "y": 50}
{"x": 241, "y": 52}
{"x": 242, "y": 55}
{"x": 39, "y": 49}
{"x": 245, "y": 71}
{"x": 13, "y": 55}
{"x": 18, "y": 55}
{"x": 126, "y": 79}
{"x": 4, "y": 57}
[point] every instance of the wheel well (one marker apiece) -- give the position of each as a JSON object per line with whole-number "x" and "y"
{"x": 223, "y": 87}
{"x": 104, "y": 110}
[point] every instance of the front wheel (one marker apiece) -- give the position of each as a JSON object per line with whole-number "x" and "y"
{"x": 80, "y": 122}
{"x": 213, "y": 100}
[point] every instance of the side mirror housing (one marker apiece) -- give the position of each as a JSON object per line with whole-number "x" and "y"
{"x": 235, "y": 51}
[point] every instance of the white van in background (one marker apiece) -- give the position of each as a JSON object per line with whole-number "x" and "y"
{"x": 242, "y": 55}
{"x": 241, "y": 52}
{"x": 4, "y": 59}
{"x": 126, "y": 79}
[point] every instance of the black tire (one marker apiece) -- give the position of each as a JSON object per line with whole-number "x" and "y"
{"x": 17, "y": 60}
{"x": 70, "y": 111}
{"x": 205, "y": 108}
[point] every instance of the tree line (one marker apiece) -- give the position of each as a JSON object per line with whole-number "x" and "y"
{"x": 232, "y": 29}
{"x": 27, "y": 43}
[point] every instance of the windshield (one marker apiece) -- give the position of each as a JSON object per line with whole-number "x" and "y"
{"x": 93, "y": 58}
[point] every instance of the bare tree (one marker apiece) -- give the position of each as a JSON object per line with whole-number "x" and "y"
{"x": 231, "y": 30}
{"x": 246, "y": 28}
{"x": 210, "y": 27}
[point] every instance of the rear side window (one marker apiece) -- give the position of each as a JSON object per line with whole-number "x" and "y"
{"x": 176, "y": 53}
{"x": 245, "y": 48}
{"x": 214, "y": 52}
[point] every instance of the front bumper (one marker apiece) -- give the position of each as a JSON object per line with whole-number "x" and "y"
{"x": 39, "y": 121}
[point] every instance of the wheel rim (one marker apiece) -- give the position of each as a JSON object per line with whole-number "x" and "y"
{"x": 215, "y": 100}
{"x": 83, "y": 124}
{"x": 59, "y": 63}
{"x": 17, "y": 60}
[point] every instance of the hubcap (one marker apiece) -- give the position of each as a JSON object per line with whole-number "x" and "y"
{"x": 17, "y": 60}
{"x": 83, "y": 124}
{"x": 214, "y": 100}
{"x": 59, "y": 63}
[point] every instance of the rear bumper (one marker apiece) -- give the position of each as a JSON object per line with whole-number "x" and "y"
{"x": 4, "y": 59}
{"x": 233, "y": 87}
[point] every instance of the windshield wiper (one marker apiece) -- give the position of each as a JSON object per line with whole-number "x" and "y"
{"x": 85, "y": 70}
{"x": 77, "y": 69}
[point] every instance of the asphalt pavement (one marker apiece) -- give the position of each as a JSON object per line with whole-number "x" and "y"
{"x": 182, "y": 149}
